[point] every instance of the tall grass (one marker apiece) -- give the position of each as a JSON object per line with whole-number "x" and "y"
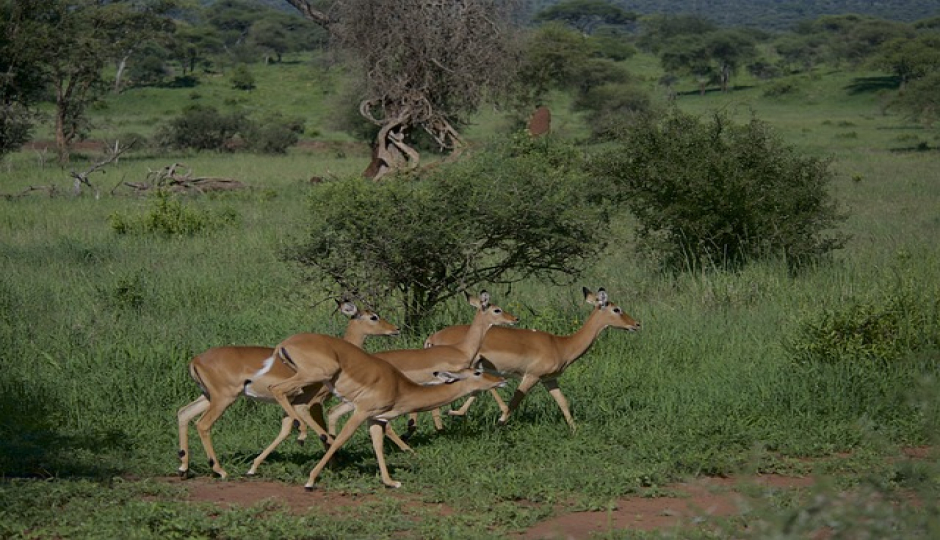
{"x": 97, "y": 328}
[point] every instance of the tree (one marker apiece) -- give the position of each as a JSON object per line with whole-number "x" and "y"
{"x": 425, "y": 65}
{"x": 707, "y": 193}
{"x": 522, "y": 208}
{"x": 586, "y": 15}
{"x": 135, "y": 27}
{"x": 909, "y": 59}
{"x": 74, "y": 40}
{"x": 660, "y": 29}
{"x": 714, "y": 56}
{"x": 21, "y": 85}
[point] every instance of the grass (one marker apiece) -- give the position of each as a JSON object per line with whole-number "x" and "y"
{"x": 97, "y": 329}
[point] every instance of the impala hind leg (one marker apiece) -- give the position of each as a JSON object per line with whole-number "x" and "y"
{"x": 528, "y": 381}
{"x": 555, "y": 392}
{"x": 204, "y": 426}
{"x": 184, "y": 416}
{"x": 354, "y": 422}
{"x": 377, "y": 432}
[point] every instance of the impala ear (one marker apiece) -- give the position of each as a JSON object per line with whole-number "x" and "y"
{"x": 480, "y": 302}
{"x": 446, "y": 376}
{"x": 602, "y": 299}
{"x": 589, "y": 296}
{"x": 348, "y": 309}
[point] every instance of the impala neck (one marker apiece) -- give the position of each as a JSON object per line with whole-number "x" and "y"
{"x": 574, "y": 346}
{"x": 354, "y": 335}
{"x": 425, "y": 398}
{"x": 473, "y": 339}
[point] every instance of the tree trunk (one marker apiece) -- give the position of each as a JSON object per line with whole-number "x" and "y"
{"x": 119, "y": 74}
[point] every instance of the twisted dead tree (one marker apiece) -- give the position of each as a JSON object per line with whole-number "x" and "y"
{"x": 425, "y": 65}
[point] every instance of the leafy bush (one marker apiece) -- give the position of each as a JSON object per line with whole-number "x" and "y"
{"x": 708, "y": 193}
{"x": 200, "y": 127}
{"x": 274, "y": 135}
{"x": 611, "y": 108}
{"x": 242, "y": 79}
{"x": 170, "y": 217}
{"x": 879, "y": 333}
{"x": 205, "y": 128}
{"x": 516, "y": 210}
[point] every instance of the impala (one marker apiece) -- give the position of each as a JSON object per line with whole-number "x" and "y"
{"x": 538, "y": 356}
{"x": 225, "y": 373}
{"x": 419, "y": 365}
{"x": 378, "y": 391}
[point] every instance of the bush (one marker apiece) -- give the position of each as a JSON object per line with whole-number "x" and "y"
{"x": 242, "y": 79}
{"x": 275, "y": 135}
{"x": 611, "y": 108}
{"x": 516, "y": 210}
{"x": 708, "y": 193}
{"x": 876, "y": 333}
{"x": 200, "y": 127}
{"x": 170, "y": 217}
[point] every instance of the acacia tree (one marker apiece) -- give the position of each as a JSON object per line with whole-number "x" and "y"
{"x": 425, "y": 64}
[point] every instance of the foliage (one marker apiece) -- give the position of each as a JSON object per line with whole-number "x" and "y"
{"x": 920, "y": 99}
{"x": 515, "y": 211}
{"x": 611, "y": 108}
{"x": 909, "y": 59}
{"x": 274, "y": 134}
{"x": 878, "y": 332}
{"x": 711, "y": 193}
{"x": 201, "y": 127}
{"x": 169, "y": 216}
{"x": 20, "y": 86}
{"x": 586, "y": 15}
{"x": 241, "y": 78}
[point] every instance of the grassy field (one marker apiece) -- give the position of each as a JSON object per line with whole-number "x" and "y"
{"x": 97, "y": 329}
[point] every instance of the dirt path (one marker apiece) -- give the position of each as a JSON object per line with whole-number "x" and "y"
{"x": 686, "y": 503}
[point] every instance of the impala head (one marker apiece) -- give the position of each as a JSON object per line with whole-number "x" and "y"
{"x": 612, "y": 314}
{"x": 374, "y": 325}
{"x": 495, "y": 314}
{"x": 480, "y": 380}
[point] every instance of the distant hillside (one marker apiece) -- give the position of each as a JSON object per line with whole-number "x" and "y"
{"x": 782, "y": 15}
{"x": 767, "y": 14}
{"x": 777, "y": 14}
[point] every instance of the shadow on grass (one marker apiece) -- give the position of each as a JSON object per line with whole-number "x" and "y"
{"x": 867, "y": 85}
{"x": 33, "y": 446}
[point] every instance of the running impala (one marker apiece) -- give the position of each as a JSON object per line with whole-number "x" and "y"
{"x": 536, "y": 356}
{"x": 378, "y": 391}
{"x": 225, "y": 373}
{"x": 419, "y": 365}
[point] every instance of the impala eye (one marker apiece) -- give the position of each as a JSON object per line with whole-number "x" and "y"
{"x": 618, "y": 310}
{"x": 497, "y": 310}
{"x": 374, "y": 318}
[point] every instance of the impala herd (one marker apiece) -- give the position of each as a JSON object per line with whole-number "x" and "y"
{"x": 301, "y": 373}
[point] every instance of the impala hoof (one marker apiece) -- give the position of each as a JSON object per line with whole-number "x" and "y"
{"x": 309, "y": 488}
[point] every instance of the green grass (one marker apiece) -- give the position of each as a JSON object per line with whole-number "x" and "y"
{"x": 97, "y": 329}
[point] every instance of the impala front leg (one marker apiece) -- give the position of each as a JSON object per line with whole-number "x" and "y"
{"x": 528, "y": 381}
{"x": 354, "y": 422}
{"x": 555, "y": 391}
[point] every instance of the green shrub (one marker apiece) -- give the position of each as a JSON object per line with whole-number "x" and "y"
{"x": 200, "y": 127}
{"x": 709, "y": 193}
{"x": 170, "y": 217}
{"x": 516, "y": 210}
{"x": 242, "y": 79}
{"x": 871, "y": 332}
{"x": 274, "y": 135}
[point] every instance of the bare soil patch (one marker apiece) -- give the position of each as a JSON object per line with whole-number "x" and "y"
{"x": 687, "y": 503}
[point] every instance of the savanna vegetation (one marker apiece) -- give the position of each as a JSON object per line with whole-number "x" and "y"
{"x": 765, "y": 203}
